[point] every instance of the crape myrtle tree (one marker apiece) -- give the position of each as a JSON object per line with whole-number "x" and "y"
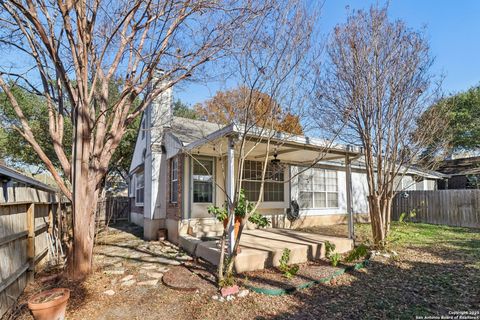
{"x": 68, "y": 52}
{"x": 19, "y": 153}
{"x": 272, "y": 73}
{"x": 375, "y": 85}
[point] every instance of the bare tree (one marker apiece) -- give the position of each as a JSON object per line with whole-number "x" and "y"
{"x": 69, "y": 51}
{"x": 375, "y": 87}
{"x": 272, "y": 68}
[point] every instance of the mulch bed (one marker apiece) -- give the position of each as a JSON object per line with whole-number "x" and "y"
{"x": 274, "y": 278}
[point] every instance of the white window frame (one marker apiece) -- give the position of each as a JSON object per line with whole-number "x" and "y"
{"x": 311, "y": 188}
{"x": 258, "y": 181}
{"x": 131, "y": 187}
{"x": 138, "y": 187}
{"x": 173, "y": 180}
{"x": 212, "y": 174}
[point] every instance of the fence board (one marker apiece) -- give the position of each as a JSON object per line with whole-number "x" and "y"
{"x": 24, "y": 223}
{"x": 460, "y": 208}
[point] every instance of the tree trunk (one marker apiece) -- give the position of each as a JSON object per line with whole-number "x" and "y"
{"x": 380, "y": 215}
{"x": 377, "y": 221}
{"x": 84, "y": 232}
{"x": 85, "y": 197}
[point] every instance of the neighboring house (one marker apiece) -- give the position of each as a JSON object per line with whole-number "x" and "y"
{"x": 463, "y": 173}
{"x": 177, "y": 172}
{"x": 18, "y": 187}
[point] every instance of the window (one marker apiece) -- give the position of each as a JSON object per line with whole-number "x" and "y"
{"x": 174, "y": 180}
{"x": 131, "y": 187}
{"x": 273, "y": 189}
{"x": 318, "y": 188}
{"x": 202, "y": 180}
{"x": 139, "y": 188}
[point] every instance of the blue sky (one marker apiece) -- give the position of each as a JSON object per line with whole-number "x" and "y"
{"x": 452, "y": 27}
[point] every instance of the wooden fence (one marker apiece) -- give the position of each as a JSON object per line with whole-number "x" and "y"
{"x": 25, "y": 222}
{"x": 448, "y": 207}
{"x": 32, "y": 221}
{"x": 112, "y": 209}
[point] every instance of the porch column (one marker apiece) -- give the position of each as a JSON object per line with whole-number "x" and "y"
{"x": 348, "y": 177}
{"x": 230, "y": 184}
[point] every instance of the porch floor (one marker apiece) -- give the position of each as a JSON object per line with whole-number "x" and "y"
{"x": 262, "y": 248}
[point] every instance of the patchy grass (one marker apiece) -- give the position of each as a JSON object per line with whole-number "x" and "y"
{"x": 436, "y": 272}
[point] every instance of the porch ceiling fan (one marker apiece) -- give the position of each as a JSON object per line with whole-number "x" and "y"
{"x": 275, "y": 161}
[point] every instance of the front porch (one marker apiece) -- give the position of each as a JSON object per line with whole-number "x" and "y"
{"x": 262, "y": 248}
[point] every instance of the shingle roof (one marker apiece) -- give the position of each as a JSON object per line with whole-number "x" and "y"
{"x": 15, "y": 175}
{"x": 462, "y": 166}
{"x": 188, "y": 130}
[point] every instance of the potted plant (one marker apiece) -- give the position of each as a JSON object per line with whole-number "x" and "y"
{"x": 50, "y": 304}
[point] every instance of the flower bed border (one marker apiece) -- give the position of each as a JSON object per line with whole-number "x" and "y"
{"x": 279, "y": 292}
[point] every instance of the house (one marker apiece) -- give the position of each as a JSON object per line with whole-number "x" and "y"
{"x": 18, "y": 187}
{"x": 181, "y": 166}
{"x": 463, "y": 173}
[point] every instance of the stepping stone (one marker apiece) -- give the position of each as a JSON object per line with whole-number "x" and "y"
{"x": 163, "y": 269}
{"x": 168, "y": 261}
{"x": 243, "y": 293}
{"x": 114, "y": 272}
{"x": 149, "y": 266}
{"x": 109, "y": 292}
{"x": 184, "y": 258}
{"x": 156, "y": 275}
{"x": 148, "y": 283}
{"x": 127, "y": 278}
{"x": 180, "y": 278}
{"x": 128, "y": 283}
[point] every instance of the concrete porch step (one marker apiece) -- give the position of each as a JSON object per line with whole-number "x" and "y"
{"x": 207, "y": 230}
{"x": 262, "y": 248}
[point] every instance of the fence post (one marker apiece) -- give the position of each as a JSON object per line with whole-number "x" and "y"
{"x": 31, "y": 242}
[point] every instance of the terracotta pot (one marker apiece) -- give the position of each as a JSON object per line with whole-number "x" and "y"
{"x": 52, "y": 309}
{"x": 236, "y": 226}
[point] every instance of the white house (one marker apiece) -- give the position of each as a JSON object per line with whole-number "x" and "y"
{"x": 181, "y": 166}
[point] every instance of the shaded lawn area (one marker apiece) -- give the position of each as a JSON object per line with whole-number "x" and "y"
{"x": 437, "y": 271}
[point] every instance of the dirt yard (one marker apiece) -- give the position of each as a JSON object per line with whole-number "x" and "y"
{"x": 437, "y": 271}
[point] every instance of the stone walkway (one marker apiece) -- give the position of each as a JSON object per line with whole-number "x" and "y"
{"x": 121, "y": 254}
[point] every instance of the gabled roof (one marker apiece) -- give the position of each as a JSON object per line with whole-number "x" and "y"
{"x": 189, "y": 130}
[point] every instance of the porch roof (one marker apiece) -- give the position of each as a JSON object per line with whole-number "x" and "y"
{"x": 293, "y": 149}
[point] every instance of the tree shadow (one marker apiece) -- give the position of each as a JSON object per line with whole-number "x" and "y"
{"x": 390, "y": 290}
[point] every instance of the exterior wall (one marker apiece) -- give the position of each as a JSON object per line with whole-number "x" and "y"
{"x": 174, "y": 210}
{"x": 193, "y": 218}
{"x": 136, "y": 212}
{"x": 199, "y": 210}
{"x": 359, "y": 194}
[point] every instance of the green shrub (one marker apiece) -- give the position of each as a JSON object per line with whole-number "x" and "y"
{"x": 404, "y": 217}
{"x": 329, "y": 248}
{"x": 359, "y": 252}
{"x": 335, "y": 258}
{"x": 289, "y": 271}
